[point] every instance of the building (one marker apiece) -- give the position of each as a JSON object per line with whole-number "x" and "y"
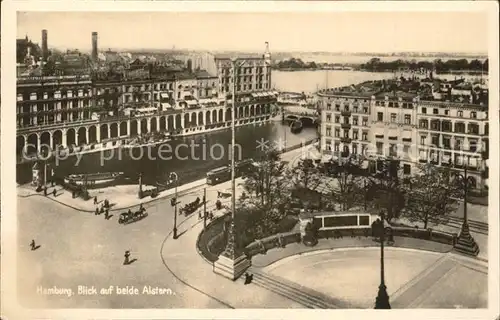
{"x": 115, "y": 102}
{"x": 404, "y": 119}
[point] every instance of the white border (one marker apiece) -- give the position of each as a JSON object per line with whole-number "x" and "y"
{"x": 8, "y": 203}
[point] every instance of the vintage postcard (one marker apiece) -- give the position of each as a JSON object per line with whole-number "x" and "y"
{"x": 174, "y": 160}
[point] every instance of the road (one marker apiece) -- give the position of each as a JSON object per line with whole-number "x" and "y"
{"x": 81, "y": 249}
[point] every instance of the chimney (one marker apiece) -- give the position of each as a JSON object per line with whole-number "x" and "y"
{"x": 94, "y": 46}
{"x": 45, "y": 49}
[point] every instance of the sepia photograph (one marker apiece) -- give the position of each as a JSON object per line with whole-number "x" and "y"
{"x": 263, "y": 156}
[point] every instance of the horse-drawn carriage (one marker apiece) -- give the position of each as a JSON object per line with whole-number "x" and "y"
{"x": 191, "y": 207}
{"x": 129, "y": 217}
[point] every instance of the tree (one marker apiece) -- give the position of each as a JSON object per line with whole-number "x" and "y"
{"x": 384, "y": 190}
{"x": 430, "y": 195}
{"x": 348, "y": 181}
{"x": 266, "y": 184}
{"x": 304, "y": 174}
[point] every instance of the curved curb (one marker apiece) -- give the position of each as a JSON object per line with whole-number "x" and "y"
{"x": 180, "y": 193}
{"x": 178, "y": 278}
{"x": 342, "y": 249}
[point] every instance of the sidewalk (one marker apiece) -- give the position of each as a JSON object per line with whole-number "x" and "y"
{"x": 120, "y": 197}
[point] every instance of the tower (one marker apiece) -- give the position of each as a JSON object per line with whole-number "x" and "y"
{"x": 94, "y": 46}
{"x": 267, "y": 54}
{"x": 45, "y": 49}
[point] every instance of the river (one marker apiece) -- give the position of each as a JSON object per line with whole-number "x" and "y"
{"x": 193, "y": 157}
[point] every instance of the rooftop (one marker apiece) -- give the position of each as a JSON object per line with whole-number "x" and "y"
{"x": 226, "y": 56}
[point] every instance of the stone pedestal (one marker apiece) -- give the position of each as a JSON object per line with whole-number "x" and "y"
{"x": 232, "y": 263}
{"x": 466, "y": 243}
{"x": 231, "y": 269}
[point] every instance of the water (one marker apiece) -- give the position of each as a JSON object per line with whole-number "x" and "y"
{"x": 310, "y": 81}
{"x": 192, "y": 165}
{"x": 190, "y": 157}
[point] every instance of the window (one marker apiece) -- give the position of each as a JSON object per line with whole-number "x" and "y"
{"x": 435, "y": 124}
{"x": 393, "y": 150}
{"x": 337, "y": 119}
{"x": 346, "y": 108}
{"x": 329, "y": 131}
{"x": 473, "y": 115}
{"x": 346, "y": 133}
{"x": 346, "y": 120}
{"x": 329, "y": 117}
{"x": 407, "y": 119}
{"x": 380, "y": 148}
{"x": 365, "y": 136}
{"x": 355, "y": 121}
{"x": 460, "y": 113}
{"x": 393, "y": 117}
{"x": 336, "y": 147}
{"x": 365, "y": 121}
{"x": 472, "y": 145}
{"x": 365, "y": 109}
{"x": 354, "y": 148}
{"x": 435, "y": 111}
{"x": 459, "y": 127}
{"x": 446, "y": 112}
{"x": 424, "y": 110}
{"x": 355, "y": 135}
{"x": 355, "y": 109}
{"x": 337, "y": 133}
{"x": 328, "y": 106}
{"x": 337, "y": 107}
{"x": 406, "y": 169}
{"x": 422, "y": 140}
{"x": 435, "y": 140}
{"x": 473, "y": 128}
{"x": 380, "y": 116}
{"x": 446, "y": 142}
{"x": 446, "y": 126}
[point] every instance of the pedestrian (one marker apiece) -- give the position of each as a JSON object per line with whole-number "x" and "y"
{"x": 95, "y": 200}
{"x": 218, "y": 205}
{"x": 106, "y": 214}
{"x": 127, "y": 256}
{"x": 204, "y": 199}
{"x": 96, "y": 211}
{"x": 54, "y": 192}
{"x": 32, "y": 245}
{"x": 218, "y": 194}
{"x": 106, "y": 203}
{"x": 211, "y": 215}
{"x": 248, "y": 278}
{"x": 199, "y": 215}
{"x": 45, "y": 190}
{"x": 102, "y": 209}
{"x": 141, "y": 207}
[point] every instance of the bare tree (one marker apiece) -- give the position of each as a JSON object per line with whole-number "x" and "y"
{"x": 430, "y": 195}
{"x": 347, "y": 187}
{"x": 385, "y": 191}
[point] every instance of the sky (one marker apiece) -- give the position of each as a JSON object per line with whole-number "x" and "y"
{"x": 285, "y": 31}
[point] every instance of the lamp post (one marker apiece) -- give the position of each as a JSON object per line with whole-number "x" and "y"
{"x": 232, "y": 262}
{"x": 174, "y": 203}
{"x": 382, "y": 300}
{"x": 465, "y": 242}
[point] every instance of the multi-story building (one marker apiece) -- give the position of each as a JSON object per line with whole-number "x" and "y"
{"x": 107, "y": 107}
{"x": 406, "y": 120}
{"x": 253, "y": 93}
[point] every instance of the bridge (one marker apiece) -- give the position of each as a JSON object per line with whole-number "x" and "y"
{"x": 309, "y": 117}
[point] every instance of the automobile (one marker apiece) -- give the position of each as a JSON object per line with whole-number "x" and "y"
{"x": 129, "y": 217}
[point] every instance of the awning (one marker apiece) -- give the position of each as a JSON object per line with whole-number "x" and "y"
{"x": 255, "y": 95}
{"x": 146, "y": 109}
{"x": 191, "y": 102}
{"x": 393, "y": 133}
{"x": 406, "y": 134}
{"x": 164, "y": 95}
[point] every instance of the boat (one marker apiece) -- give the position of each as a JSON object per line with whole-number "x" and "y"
{"x": 93, "y": 179}
{"x": 296, "y": 126}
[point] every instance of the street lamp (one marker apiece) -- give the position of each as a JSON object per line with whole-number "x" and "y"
{"x": 382, "y": 300}
{"x": 465, "y": 242}
{"x": 174, "y": 202}
{"x": 232, "y": 262}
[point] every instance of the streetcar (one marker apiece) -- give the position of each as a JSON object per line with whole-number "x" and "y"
{"x": 218, "y": 175}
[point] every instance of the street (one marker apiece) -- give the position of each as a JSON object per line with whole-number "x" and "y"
{"x": 82, "y": 249}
